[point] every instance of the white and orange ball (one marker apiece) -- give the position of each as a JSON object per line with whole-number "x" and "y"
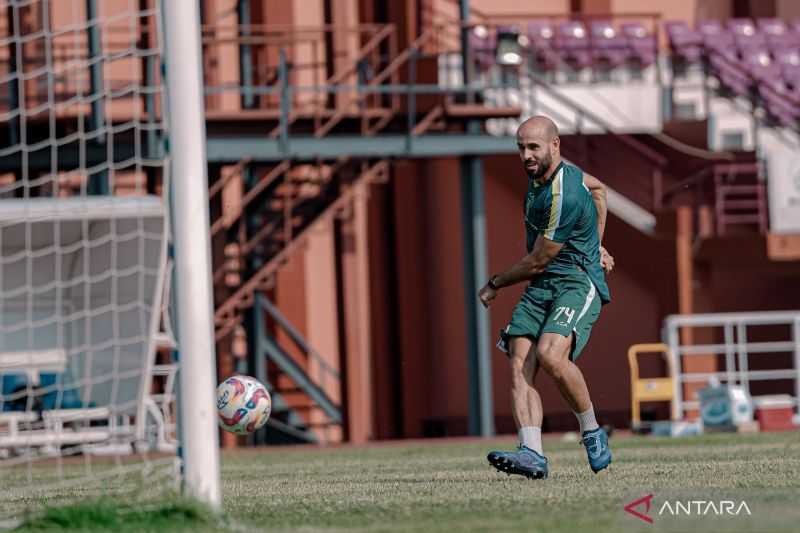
{"x": 243, "y": 404}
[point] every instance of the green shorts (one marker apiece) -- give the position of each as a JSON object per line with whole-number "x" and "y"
{"x": 555, "y": 303}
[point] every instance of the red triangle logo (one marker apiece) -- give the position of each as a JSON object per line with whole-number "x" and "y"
{"x": 630, "y": 508}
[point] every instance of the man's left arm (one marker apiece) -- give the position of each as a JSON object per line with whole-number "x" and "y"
{"x": 599, "y": 197}
{"x": 599, "y": 194}
{"x": 530, "y": 266}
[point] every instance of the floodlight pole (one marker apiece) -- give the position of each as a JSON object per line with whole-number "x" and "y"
{"x": 190, "y": 225}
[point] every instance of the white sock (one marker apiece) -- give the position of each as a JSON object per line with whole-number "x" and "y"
{"x": 587, "y": 420}
{"x": 531, "y": 437}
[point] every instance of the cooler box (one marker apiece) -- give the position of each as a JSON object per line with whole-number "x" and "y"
{"x": 774, "y": 413}
{"x": 723, "y": 407}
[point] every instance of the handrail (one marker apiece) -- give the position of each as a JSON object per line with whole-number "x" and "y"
{"x": 736, "y": 350}
{"x": 711, "y": 171}
{"x": 295, "y": 335}
{"x": 363, "y": 51}
{"x": 250, "y": 195}
{"x": 402, "y": 57}
{"x": 290, "y": 28}
{"x": 299, "y": 376}
{"x": 218, "y": 185}
{"x": 571, "y": 16}
{"x": 227, "y": 309}
{"x": 639, "y": 146}
{"x": 692, "y": 179}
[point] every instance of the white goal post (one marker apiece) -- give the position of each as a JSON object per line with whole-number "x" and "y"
{"x": 194, "y": 297}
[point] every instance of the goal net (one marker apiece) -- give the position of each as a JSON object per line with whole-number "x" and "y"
{"x": 86, "y": 404}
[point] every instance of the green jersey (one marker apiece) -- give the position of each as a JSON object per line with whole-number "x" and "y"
{"x": 561, "y": 209}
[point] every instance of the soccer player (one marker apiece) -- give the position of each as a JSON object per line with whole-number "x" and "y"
{"x": 565, "y": 213}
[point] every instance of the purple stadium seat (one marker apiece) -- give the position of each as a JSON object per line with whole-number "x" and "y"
{"x": 542, "y": 38}
{"x": 573, "y": 43}
{"x": 791, "y": 76}
{"x": 772, "y": 26}
{"x": 760, "y": 65}
{"x": 729, "y": 52}
{"x": 714, "y": 35}
{"x": 541, "y": 34}
{"x": 685, "y": 43}
{"x": 787, "y": 56}
{"x": 781, "y": 101}
{"x": 746, "y": 34}
{"x": 795, "y": 26}
{"x": 730, "y": 74}
{"x": 642, "y": 44}
{"x": 482, "y": 42}
{"x": 607, "y": 44}
{"x": 783, "y": 41}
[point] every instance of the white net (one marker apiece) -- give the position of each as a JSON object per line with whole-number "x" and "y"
{"x": 83, "y": 253}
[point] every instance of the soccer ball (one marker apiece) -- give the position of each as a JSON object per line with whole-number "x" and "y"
{"x": 243, "y": 404}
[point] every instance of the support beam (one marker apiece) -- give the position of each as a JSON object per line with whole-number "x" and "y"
{"x": 258, "y": 356}
{"x": 355, "y": 294}
{"x": 306, "y": 148}
{"x": 685, "y": 258}
{"x": 15, "y": 62}
{"x": 686, "y": 303}
{"x": 98, "y": 182}
{"x": 481, "y": 412}
{"x": 246, "y": 55}
{"x": 223, "y": 150}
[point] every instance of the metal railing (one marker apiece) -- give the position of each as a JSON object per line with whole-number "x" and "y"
{"x": 315, "y": 388}
{"x": 737, "y": 350}
{"x": 719, "y": 184}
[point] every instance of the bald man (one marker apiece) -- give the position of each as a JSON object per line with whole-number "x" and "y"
{"x": 565, "y": 213}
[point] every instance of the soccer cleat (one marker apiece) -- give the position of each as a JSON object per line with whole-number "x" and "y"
{"x": 524, "y": 462}
{"x": 597, "y": 449}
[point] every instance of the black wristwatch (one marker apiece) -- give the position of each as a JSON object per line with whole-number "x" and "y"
{"x": 491, "y": 284}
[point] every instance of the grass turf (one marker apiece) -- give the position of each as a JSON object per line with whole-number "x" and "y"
{"x": 449, "y": 486}
{"x": 110, "y": 515}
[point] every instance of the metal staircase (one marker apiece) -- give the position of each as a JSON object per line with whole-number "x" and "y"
{"x": 273, "y": 220}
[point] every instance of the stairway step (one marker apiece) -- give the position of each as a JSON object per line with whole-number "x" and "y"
{"x": 740, "y": 219}
{"x": 299, "y": 398}
{"x": 738, "y": 189}
{"x": 740, "y": 204}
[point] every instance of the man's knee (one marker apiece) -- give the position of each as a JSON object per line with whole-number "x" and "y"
{"x": 518, "y": 359}
{"x": 523, "y": 368}
{"x": 529, "y": 368}
{"x": 552, "y": 355}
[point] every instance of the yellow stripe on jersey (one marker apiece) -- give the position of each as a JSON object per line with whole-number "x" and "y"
{"x": 555, "y": 205}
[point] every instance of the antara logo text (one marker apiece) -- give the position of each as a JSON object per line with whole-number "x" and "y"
{"x": 640, "y": 508}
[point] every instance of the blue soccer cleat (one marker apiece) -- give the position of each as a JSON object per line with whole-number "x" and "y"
{"x": 597, "y": 449}
{"x": 524, "y": 462}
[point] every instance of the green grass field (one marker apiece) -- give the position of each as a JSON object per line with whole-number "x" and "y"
{"x": 448, "y": 486}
